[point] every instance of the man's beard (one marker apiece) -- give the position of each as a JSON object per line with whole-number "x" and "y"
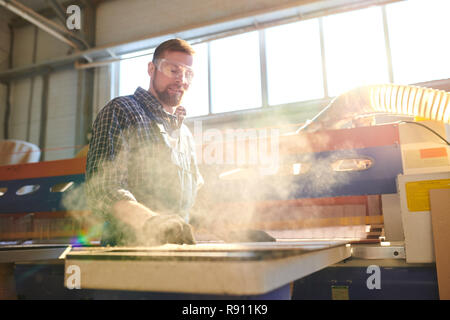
{"x": 167, "y": 98}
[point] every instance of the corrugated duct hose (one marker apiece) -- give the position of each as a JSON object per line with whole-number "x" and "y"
{"x": 347, "y": 108}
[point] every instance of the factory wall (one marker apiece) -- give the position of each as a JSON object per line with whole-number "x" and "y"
{"x": 4, "y": 40}
{"x": 2, "y": 107}
{"x": 4, "y": 55}
{"x": 28, "y": 94}
{"x": 32, "y": 45}
{"x": 103, "y": 87}
{"x": 25, "y": 101}
{"x": 25, "y": 116}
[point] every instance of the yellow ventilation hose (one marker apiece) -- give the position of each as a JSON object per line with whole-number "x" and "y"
{"x": 404, "y": 100}
{"x": 414, "y": 101}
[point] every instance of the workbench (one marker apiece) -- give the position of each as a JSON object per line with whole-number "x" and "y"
{"x": 205, "y": 268}
{"x": 319, "y": 269}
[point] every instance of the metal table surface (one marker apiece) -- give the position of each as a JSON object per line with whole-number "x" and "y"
{"x": 11, "y": 254}
{"x": 210, "y": 268}
{"x": 32, "y": 252}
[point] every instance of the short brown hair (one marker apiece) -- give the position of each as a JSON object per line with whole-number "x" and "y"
{"x": 172, "y": 45}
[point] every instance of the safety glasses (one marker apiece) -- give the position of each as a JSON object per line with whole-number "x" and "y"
{"x": 174, "y": 70}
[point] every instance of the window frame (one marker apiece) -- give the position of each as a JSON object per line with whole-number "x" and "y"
{"x": 264, "y": 73}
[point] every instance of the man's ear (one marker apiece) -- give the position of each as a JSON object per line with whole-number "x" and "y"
{"x": 151, "y": 69}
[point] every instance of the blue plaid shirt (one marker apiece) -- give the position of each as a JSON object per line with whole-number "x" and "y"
{"x": 137, "y": 152}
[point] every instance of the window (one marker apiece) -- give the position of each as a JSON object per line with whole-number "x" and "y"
{"x": 133, "y": 73}
{"x": 418, "y": 34}
{"x": 235, "y": 73}
{"x": 228, "y": 71}
{"x": 355, "y": 51}
{"x": 294, "y": 67}
{"x": 196, "y": 99}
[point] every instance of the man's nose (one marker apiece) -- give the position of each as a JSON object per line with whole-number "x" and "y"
{"x": 181, "y": 78}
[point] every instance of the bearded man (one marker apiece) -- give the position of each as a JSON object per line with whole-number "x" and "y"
{"x": 142, "y": 176}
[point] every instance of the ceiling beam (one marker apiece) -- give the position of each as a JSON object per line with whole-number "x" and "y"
{"x": 58, "y": 9}
{"x": 39, "y": 21}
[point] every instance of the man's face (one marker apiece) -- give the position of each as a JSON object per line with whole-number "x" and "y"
{"x": 170, "y": 87}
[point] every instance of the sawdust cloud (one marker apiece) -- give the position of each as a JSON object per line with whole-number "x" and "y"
{"x": 262, "y": 176}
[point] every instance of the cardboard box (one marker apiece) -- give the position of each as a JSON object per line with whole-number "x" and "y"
{"x": 414, "y": 192}
{"x": 440, "y": 218}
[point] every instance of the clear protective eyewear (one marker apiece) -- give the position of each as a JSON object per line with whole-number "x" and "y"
{"x": 174, "y": 70}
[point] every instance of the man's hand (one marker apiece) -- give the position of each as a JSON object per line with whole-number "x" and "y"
{"x": 167, "y": 228}
{"x": 152, "y": 228}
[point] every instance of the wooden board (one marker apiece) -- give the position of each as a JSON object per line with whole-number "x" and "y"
{"x": 440, "y": 219}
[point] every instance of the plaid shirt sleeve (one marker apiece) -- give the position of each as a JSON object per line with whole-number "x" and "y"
{"x": 106, "y": 170}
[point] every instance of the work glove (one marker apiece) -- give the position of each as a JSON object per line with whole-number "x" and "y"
{"x": 167, "y": 228}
